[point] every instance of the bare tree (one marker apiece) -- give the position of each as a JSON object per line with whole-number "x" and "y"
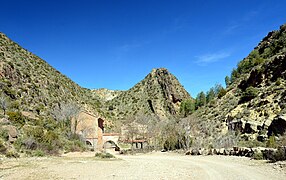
{"x": 3, "y": 103}
{"x": 131, "y": 129}
{"x": 227, "y": 140}
{"x": 64, "y": 113}
{"x": 185, "y": 129}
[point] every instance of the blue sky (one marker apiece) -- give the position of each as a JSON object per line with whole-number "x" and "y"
{"x": 115, "y": 43}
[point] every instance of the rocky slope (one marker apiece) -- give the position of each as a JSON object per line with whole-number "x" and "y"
{"x": 28, "y": 83}
{"x": 159, "y": 94}
{"x": 106, "y": 94}
{"x": 255, "y": 102}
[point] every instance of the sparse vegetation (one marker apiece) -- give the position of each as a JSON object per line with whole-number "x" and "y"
{"x": 249, "y": 94}
{"x": 16, "y": 118}
{"x": 258, "y": 156}
{"x": 104, "y": 155}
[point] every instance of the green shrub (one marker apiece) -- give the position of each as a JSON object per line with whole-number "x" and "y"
{"x": 73, "y": 146}
{"x": 278, "y": 82}
{"x": 104, "y": 155}
{"x": 11, "y": 93}
{"x": 258, "y": 156}
{"x": 271, "y": 142}
{"x": 279, "y": 155}
{"x": 16, "y": 118}
{"x": 248, "y": 63}
{"x": 187, "y": 107}
{"x": 249, "y": 94}
{"x": 12, "y": 153}
{"x": 234, "y": 75}
{"x": 15, "y": 105}
{"x": 4, "y": 134}
{"x": 18, "y": 143}
{"x": 2, "y": 147}
{"x": 221, "y": 93}
{"x": 36, "y": 132}
{"x": 251, "y": 143}
{"x": 38, "y": 153}
{"x": 50, "y": 137}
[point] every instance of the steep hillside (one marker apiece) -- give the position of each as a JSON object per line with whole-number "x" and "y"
{"x": 255, "y": 102}
{"x": 30, "y": 84}
{"x": 37, "y": 104}
{"x": 159, "y": 94}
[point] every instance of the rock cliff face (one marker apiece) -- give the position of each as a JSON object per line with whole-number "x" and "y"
{"x": 255, "y": 101}
{"x": 158, "y": 94}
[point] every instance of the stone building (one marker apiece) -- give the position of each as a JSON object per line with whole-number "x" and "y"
{"x": 91, "y": 128}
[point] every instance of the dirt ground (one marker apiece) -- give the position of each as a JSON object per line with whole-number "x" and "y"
{"x": 144, "y": 166}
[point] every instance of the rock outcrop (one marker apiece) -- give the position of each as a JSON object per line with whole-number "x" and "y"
{"x": 106, "y": 94}
{"x": 256, "y": 98}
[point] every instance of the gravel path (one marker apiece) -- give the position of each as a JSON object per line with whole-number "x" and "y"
{"x": 147, "y": 166}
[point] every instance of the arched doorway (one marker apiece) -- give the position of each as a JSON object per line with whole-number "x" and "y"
{"x": 111, "y": 145}
{"x": 88, "y": 143}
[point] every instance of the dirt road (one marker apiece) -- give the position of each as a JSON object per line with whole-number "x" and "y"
{"x": 147, "y": 166}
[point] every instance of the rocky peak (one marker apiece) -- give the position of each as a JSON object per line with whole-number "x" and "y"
{"x": 159, "y": 93}
{"x": 169, "y": 84}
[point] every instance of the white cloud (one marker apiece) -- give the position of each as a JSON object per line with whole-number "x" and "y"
{"x": 210, "y": 58}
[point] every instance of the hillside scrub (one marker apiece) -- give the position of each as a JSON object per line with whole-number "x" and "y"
{"x": 39, "y": 136}
{"x": 249, "y": 94}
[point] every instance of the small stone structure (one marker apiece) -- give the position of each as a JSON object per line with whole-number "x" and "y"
{"x": 91, "y": 128}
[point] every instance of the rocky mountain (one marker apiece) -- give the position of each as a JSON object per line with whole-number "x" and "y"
{"x": 38, "y": 103}
{"x": 255, "y": 102}
{"x": 159, "y": 94}
{"x": 30, "y": 84}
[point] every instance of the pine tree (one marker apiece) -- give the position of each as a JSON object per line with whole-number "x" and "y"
{"x": 187, "y": 107}
{"x": 210, "y": 95}
{"x": 227, "y": 81}
{"x": 201, "y": 100}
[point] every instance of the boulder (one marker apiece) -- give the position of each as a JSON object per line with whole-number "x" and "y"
{"x": 215, "y": 151}
{"x": 232, "y": 152}
{"x": 258, "y": 149}
{"x": 210, "y": 152}
{"x": 241, "y": 151}
{"x": 188, "y": 153}
{"x": 235, "y": 148}
{"x": 249, "y": 152}
{"x": 226, "y": 152}
{"x": 268, "y": 153}
{"x": 12, "y": 132}
{"x": 203, "y": 151}
{"x": 195, "y": 152}
{"x": 4, "y": 121}
{"x": 221, "y": 151}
